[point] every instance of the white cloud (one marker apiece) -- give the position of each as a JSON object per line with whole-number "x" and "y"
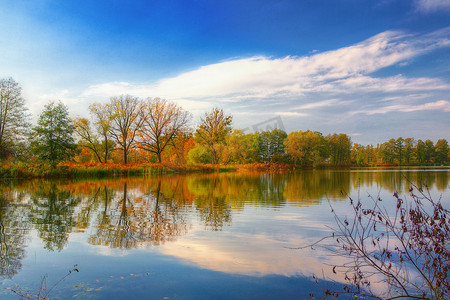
{"x": 399, "y": 83}
{"x": 309, "y": 90}
{"x": 441, "y": 105}
{"x": 291, "y": 114}
{"x": 414, "y": 97}
{"x": 323, "y": 103}
{"x": 78, "y": 105}
{"x": 427, "y": 6}
{"x": 342, "y": 70}
{"x": 108, "y": 251}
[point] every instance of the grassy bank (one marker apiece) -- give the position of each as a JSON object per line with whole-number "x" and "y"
{"x": 22, "y": 170}
{"x": 71, "y": 170}
{"x": 35, "y": 170}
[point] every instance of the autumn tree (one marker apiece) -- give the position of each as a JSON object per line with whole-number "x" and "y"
{"x": 358, "y": 154}
{"x": 88, "y": 138}
{"x": 163, "y": 121}
{"x": 102, "y": 123}
{"x": 95, "y": 135}
{"x": 240, "y": 148}
{"x": 177, "y": 151}
{"x": 52, "y": 139}
{"x": 306, "y": 147}
{"x": 125, "y": 113}
{"x": 14, "y": 124}
{"x": 214, "y": 127}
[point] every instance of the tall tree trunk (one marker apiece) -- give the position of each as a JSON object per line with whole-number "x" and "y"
{"x": 106, "y": 149}
{"x": 159, "y": 156}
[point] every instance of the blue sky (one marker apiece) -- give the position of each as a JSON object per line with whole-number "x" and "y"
{"x": 372, "y": 69}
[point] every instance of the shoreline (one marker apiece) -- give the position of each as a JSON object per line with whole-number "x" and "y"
{"x": 71, "y": 170}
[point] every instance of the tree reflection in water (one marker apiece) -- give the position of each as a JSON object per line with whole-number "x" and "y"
{"x": 138, "y": 212}
{"x": 14, "y": 228}
{"x": 211, "y": 201}
{"x": 52, "y": 213}
{"x": 136, "y": 218}
{"x": 312, "y": 186}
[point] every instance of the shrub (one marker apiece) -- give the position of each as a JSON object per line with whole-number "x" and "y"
{"x": 408, "y": 250}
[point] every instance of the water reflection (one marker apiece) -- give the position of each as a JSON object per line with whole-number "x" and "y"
{"x": 133, "y": 218}
{"x": 231, "y": 222}
{"x": 14, "y": 228}
{"x": 401, "y": 180}
{"x": 311, "y": 187}
{"x": 52, "y": 213}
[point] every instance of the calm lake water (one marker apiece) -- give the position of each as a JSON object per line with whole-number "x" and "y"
{"x": 202, "y": 236}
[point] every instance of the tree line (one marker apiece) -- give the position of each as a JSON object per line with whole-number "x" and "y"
{"x": 128, "y": 129}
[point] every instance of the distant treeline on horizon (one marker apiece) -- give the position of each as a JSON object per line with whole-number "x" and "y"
{"x": 156, "y": 130}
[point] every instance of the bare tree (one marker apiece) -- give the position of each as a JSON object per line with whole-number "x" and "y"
{"x": 14, "y": 124}
{"x": 125, "y": 113}
{"x": 163, "y": 122}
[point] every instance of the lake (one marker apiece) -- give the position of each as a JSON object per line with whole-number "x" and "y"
{"x": 196, "y": 236}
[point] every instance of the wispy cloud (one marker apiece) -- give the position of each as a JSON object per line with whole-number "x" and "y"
{"x": 441, "y": 105}
{"x": 323, "y": 103}
{"x": 291, "y": 114}
{"x": 342, "y": 70}
{"x": 314, "y": 88}
{"x": 427, "y": 6}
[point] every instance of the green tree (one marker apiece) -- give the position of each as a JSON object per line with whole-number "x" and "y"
{"x": 409, "y": 150}
{"x": 240, "y": 148}
{"x": 429, "y": 151}
{"x": 370, "y": 154}
{"x": 420, "y": 152}
{"x": 358, "y": 154}
{"x": 441, "y": 151}
{"x": 399, "y": 147}
{"x": 424, "y": 151}
{"x": 52, "y": 137}
{"x": 339, "y": 146}
{"x": 271, "y": 144}
{"x": 387, "y": 151}
{"x": 14, "y": 125}
{"x": 214, "y": 127}
{"x": 199, "y": 155}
